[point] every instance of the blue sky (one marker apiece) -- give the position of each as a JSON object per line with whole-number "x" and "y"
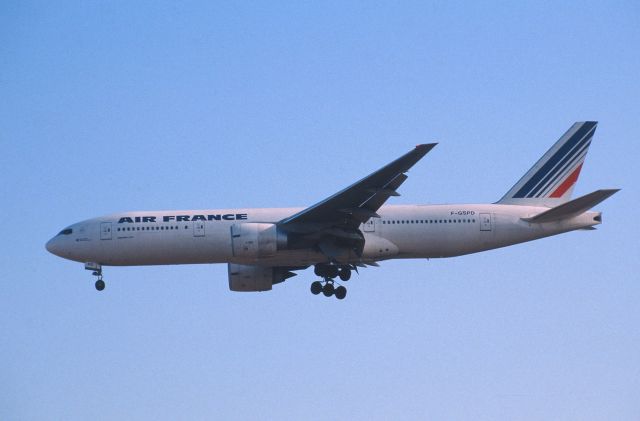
{"x": 112, "y": 106}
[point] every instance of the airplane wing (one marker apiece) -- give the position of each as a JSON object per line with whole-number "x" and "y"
{"x": 332, "y": 224}
{"x": 361, "y": 200}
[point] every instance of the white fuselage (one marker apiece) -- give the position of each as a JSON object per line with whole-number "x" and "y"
{"x": 402, "y": 231}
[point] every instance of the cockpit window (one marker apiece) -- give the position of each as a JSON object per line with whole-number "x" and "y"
{"x": 66, "y": 231}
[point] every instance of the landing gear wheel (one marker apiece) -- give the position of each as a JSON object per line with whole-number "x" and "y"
{"x": 96, "y": 270}
{"x": 328, "y": 290}
{"x": 332, "y": 271}
{"x": 345, "y": 274}
{"x": 340, "y": 292}
{"x": 316, "y": 287}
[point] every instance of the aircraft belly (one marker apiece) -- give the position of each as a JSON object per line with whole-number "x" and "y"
{"x": 435, "y": 242}
{"x": 303, "y": 257}
{"x": 165, "y": 249}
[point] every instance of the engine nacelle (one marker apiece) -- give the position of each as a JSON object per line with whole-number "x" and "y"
{"x": 256, "y": 240}
{"x": 255, "y": 278}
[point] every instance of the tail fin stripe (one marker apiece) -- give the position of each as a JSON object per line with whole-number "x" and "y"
{"x": 562, "y": 189}
{"x": 559, "y": 168}
{"x": 566, "y": 169}
{"x": 558, "y": 179}
{"x": 582, "y": 135}
{"x": 559, "y": 159}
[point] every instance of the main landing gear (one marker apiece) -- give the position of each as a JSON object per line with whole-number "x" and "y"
{"x": 327, "y": 285}
{"x": 97, "y": 271}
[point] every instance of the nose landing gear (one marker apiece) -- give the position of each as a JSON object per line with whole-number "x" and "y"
{"x": 96, "y": 269}
{"x": 329, "y": 273}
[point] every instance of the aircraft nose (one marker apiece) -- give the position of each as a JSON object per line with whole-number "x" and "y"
{"x": 53, "y": 247}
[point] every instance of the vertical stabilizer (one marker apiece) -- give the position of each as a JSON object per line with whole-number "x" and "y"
{"x": 551, "y": 180}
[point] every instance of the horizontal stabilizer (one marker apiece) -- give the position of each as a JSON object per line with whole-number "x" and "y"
{"x": 573, "y": 207}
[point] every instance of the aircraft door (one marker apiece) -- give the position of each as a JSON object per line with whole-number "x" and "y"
{"x": 485, "y": 222}
{"x": 198, "y": 228}
{"x": 105, "y": 231}
{"x": 370, "y": 225}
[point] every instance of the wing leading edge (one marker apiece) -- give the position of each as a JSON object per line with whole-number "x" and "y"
{"x": 361, "y": 200}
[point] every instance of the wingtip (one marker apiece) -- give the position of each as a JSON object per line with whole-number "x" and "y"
{"x": 426, "y": 145}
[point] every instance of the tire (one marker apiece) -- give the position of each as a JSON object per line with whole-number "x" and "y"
{"x": 340, "y": 292}
{"x": 328, "y": 290}
{"x": 316, "y": 287}
{"x": 100, "y": 284}
{"x": 317, "y": 269}
{"x": 345, "y": 274}
{"x": 332, "y": 271}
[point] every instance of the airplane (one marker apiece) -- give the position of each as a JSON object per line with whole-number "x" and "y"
{"x": 351, "y": 229}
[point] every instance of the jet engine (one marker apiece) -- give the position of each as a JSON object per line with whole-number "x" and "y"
{"x": 256, "y": 240}
{"x": 255, "y": 278}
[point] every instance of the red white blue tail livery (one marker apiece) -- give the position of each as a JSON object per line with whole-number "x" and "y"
{"x": 551, "y": 180}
